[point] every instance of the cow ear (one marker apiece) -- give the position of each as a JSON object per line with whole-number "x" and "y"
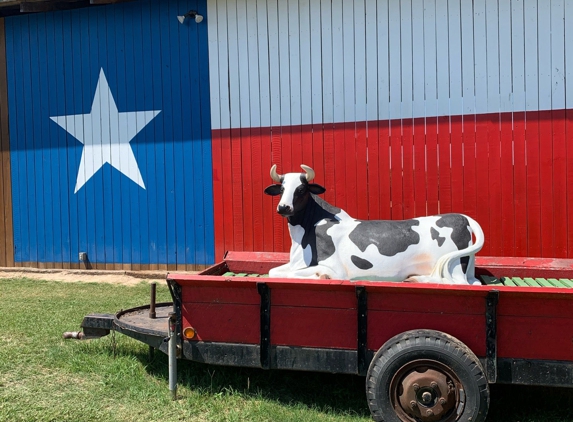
{"x": 316, "y": 189}
{"x": 273, "y": 190}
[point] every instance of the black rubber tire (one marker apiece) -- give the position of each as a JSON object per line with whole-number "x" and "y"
{"x": 430, "y": 345}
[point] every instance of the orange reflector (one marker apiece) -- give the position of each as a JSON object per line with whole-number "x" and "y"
{"x": 189, "y": 333}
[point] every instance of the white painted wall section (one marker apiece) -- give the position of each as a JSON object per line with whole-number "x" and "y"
{"x": 291, "y": 62}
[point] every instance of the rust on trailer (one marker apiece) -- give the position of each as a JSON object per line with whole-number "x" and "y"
{"x": 139, "y": 318}
{"x": 152, "y": 300}
{"x": 428, "y": 391}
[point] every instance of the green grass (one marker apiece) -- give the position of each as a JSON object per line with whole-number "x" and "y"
{"x": 45, "y": 378}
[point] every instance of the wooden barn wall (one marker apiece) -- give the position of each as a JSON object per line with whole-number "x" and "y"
{"x": 110, "y": 137}
{"x": 403, "y": 108}
{"x": 6, "y": 233}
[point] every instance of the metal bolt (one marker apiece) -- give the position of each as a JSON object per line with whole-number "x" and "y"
{"x": 416, "y": 387}
{"x": 413, "y": 404}
{"x": 443, "y": 401}
{"x": 427, "y": 397}
{"x": 429, "y": 412}
{"x": 433, "y": 384}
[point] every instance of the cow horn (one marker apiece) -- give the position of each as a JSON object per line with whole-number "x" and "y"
{"x": 309, "y": 172}
{"x": 274, "y": 175}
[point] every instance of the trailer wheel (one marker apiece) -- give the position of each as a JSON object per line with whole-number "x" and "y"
{"x": 426, "y": 376}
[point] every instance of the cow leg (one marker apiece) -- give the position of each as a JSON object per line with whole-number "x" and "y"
{"x": 471, "y": 270}
{"x": 315, "y": 272}
{"x": 424, "y": 279}
{"x": 280, "y": 271}
{"x": 318, "y": 271}
{"x": 458, "y": 275}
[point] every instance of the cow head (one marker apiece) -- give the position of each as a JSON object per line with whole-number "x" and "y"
{"x": 294, "y": 189}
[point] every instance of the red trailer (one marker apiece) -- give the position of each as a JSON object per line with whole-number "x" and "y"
{"x": 428, "y": 351}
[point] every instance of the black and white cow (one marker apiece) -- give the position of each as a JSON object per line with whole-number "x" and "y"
{"x": 328, "y": 243}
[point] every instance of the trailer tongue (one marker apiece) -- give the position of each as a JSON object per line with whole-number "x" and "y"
{"x": 428, "y": 351}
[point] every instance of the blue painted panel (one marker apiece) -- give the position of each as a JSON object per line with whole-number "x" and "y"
{"x": 29, "y": 179}
{"x": 39, "y": 76}
{"x": 16, "y": 160}
{"x": 151, "y": 201}
{"x": 59, "y": 204}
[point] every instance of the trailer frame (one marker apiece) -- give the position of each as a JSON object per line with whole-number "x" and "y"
{"x": 212, "y": 293}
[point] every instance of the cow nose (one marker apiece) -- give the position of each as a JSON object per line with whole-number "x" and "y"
{"x": 284, "y": 209}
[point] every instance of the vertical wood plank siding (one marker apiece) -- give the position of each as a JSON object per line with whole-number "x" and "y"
{"x": 403, "y": 108}
{"x": 6, "y": 224}
{"x": 81, "y": 84}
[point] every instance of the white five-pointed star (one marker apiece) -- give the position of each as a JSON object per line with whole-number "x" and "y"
{"x": 106, "y": 134}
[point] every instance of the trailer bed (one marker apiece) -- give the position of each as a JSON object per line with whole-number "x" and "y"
{"x": 428, "y": 351}
{"x": 522, "y": 314}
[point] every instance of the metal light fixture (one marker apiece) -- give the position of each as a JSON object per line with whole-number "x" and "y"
{"x": 190, "y": 14}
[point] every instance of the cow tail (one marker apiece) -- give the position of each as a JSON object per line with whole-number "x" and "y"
{"x": 478, "y": 233}
{"x": 444, "y": 261}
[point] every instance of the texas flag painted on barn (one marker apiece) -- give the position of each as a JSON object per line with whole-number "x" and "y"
{"x": 110, "y": 141}
{"x": 403, "y": 108}
{"x": 143, "y": 141}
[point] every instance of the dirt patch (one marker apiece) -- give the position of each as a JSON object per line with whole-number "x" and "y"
{"x": 70, "y": 276}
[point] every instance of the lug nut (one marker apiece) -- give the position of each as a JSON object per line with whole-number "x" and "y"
{"x": 443, "y": 401}
{"x": 429, "y": 412}
{"x": 413, "y": 404}
{"x": 426, "y": 397}
{"x": 416, "y": 387}
{"x": 433, "y": 384}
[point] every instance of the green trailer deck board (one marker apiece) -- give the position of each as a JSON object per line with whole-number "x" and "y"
{"x": 241, "y": 275}
{"x": 531, "y": 282}
{"x": 568, "y": 283}
{"x": 543, "y": 282}
{"x": 519, "y": 281}
{"x": 229, "y": 274}
{"x": 556, "y": 283}
{"x": 253, "y": 275}
{"x": 507, "y": 281}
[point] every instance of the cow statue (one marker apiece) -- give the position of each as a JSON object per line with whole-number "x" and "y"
{"x": 329, "y": 244}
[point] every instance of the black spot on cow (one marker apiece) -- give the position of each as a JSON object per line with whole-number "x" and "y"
{"x": 390, "y": 237}
{"x": 324, "y": 245}
{"x": 363, "y": 264}
{"x": 436, "y": 236}
{"x": 459, "y": 223}
{"x": 321, "y": 244}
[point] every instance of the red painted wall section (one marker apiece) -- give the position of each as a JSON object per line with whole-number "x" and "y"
{"x": 512, "y": 172}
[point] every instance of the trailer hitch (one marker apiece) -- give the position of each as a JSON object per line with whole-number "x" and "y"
{"x": 93, "y": 326}
{"x": 75, "y": 335}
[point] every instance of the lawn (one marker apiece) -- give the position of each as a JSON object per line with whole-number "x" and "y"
{"x": 45, "y": 378}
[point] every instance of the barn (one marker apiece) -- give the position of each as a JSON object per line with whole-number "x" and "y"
{"x": 130, "y": 140}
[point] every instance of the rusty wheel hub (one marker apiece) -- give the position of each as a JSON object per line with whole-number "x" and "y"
{"x": 426, "y": 391}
